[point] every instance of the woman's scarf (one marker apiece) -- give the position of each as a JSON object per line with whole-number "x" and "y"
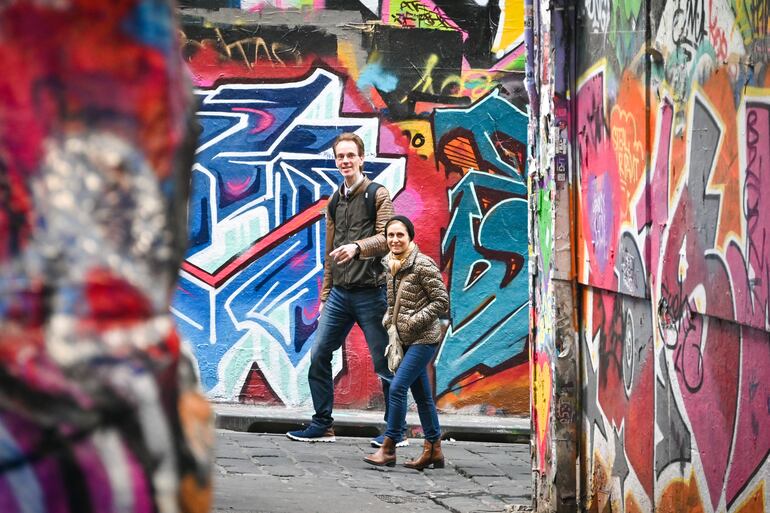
{"x": 396, "y": 261}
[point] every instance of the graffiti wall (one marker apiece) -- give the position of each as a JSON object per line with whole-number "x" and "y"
{"x": 671, "y": 148}
{"x": 100, "y": 410}
{"x": 554, "y": 353}
{"x": 435, "y": 89}
{"x": 682, "y": 344}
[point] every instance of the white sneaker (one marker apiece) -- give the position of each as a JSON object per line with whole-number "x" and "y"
{"x": 378, "y": 440}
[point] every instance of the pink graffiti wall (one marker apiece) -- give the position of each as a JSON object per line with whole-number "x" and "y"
{"x": 672, "y": 145}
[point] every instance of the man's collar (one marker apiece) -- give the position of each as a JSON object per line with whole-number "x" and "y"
{"x": 350, "y": 190}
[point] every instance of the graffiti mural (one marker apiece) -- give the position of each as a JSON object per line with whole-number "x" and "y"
{"x": 435, "y": 89}
{"x": 250, "y": 283}
{"x": 488, "y": 292}
{"x": 100, "y": 409}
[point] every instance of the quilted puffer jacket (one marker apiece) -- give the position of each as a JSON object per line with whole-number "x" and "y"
{"x": 423, "y": 299}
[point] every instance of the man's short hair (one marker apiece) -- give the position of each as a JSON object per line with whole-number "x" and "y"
{"x": 349, "y": 136}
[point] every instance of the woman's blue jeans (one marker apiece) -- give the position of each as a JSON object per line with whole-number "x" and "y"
{"x": 413, "y": 373}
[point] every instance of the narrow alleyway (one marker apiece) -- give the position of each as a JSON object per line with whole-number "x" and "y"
{"x": 258, "y": 473}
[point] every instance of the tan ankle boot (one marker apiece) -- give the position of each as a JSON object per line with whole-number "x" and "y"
{"x": 431, "y": 455}
{"x": 385, "y": 455}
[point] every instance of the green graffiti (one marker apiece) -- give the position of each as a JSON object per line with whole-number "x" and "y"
{"x": 626, "y": 32}
{"x": 629, "y": 9}
{"x": 751, "y": 19}
{"x": 545, "y": 226}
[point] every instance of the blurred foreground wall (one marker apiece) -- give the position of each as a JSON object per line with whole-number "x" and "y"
{"x": 99, "y": 408}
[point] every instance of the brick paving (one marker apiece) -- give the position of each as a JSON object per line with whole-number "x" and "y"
{"x": 268, "y": 473}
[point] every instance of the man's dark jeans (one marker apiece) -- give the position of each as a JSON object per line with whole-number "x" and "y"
{"x": 343, "y": 308}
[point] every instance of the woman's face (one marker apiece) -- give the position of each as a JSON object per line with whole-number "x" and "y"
{"x": 398, "y": 237}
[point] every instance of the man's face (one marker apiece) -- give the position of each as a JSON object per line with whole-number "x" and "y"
{"x": 348, "y": 160}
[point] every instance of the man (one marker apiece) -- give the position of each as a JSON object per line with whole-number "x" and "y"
{"x": 353, "y": 286}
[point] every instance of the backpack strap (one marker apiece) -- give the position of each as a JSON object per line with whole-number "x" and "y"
{"x": 370, "y": 197}
{"x": 331, "y": 208}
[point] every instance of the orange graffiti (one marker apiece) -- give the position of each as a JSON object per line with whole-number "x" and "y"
{"x": 681, "y": 497}
{"x": 755, "y": 503}
{"x": 628, "y": 149}
{"x": 460, "y": 153}
{"x": 631, "y": 505}
{"x": 507, "y": 390}
{"x": 677, "y": 159}
{"x": 197, "y": 422}
{"x": 627, "y": 137}
{"x": 346, "y": 53}
{"x": 598, "y": 498}
{"x": 725, "y": 177}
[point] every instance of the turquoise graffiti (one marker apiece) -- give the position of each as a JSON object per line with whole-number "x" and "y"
{"x": 485, "y": 244}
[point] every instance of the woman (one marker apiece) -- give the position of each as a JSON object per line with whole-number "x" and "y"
{"x": 423, "y": 298}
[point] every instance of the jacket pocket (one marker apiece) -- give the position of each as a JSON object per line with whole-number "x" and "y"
{"x": 406, "y": 327}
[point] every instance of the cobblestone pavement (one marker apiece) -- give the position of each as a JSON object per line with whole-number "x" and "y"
{"x": 268, "y": 473}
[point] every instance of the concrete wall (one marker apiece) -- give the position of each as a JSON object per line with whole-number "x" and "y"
{"x": 669, "y": 171}
{"x": 436, "y": 91}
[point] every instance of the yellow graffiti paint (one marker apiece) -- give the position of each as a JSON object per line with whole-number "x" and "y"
{"x": 541, "y": 385}
{"x": 420, "y": 136}
{"x": 474, "y": 84}
{"x": 510, "y": 28}
{"x": 346, "y": 54}
{"x": 425, "y": 84}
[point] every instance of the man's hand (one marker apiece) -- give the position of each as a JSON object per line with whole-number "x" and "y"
{"x": 321, "y": 307}
{"x": 344, "y": 254}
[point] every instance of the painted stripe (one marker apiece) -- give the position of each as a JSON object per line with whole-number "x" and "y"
{"x": 305, "y": 218}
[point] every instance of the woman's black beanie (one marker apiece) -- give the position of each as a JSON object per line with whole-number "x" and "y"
{"x": 406, "y": 222}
